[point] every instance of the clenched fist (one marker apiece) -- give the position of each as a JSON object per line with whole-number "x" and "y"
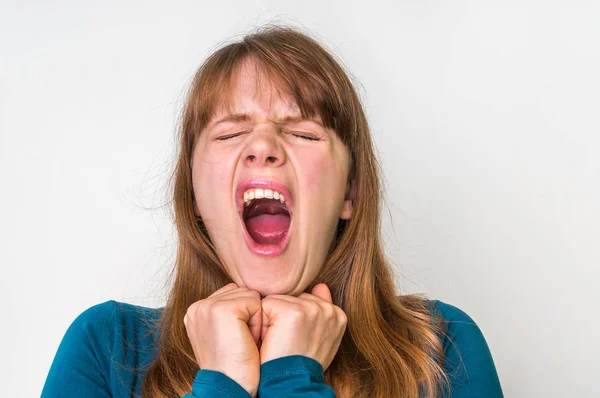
{"x": 224, "y": 330}
{"x": 309, "y": 325}
{"x": 227, "y": 328}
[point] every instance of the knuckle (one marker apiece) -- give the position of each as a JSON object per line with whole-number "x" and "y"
{"x": 342, "y": 317}
{"x": 329, "y": 313}
{"x": 219, "y": 308}
{"x": 297, "y": 313}
{"x": 330, "y": 317}
{"x": 314, "y": 310}
{"x": 255, "y": 294}
{"x": 190, "y": 313}
{"x": 267, "y": 302}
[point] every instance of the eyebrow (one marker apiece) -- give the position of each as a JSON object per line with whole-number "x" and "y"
{"x": 244, "y": 117}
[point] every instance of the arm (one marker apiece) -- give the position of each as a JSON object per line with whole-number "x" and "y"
{"x": 86, "y": 358}
{"x": 293, "y": 376}
{"x": 468, "y": 360}
{"x": 300, "y": 337}
{"x": 209, "y": 383}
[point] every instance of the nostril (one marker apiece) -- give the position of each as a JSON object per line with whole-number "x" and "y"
{"x": 271, "y": 159}
{"x": 251, "y": 158}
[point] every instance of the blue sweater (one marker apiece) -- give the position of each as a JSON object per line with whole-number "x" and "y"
{"x": 106, "y": 349}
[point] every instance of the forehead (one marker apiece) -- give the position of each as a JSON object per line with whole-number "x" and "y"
{"x": 252, "y": 91}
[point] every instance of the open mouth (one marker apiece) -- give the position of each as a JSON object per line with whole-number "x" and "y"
{"x": 267, "y": 221}
{"x": 266, "y": 216}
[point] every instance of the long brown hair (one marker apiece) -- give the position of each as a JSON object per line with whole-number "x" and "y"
{"x": 391, "y": 347}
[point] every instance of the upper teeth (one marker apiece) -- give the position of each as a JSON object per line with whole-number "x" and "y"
{"x": 259, "y": 193}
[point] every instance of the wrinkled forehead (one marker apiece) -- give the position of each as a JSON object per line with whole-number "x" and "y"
{"x": 251, "y": 89}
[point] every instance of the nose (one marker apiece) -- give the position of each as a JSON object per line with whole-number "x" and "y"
{"x": 263, "y": 149}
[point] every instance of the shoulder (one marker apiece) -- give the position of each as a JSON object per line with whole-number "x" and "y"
{"x": 111, "y": 314}
{"x": 467, "y": 358}
{"x": 111, "y": 325}
{"x": 103, "y": 313}
{"x": 460, "y": 326}
{"x": 102, "y": 350}
{"x": 96, "y": 324}
{"x": 456, "y": 319}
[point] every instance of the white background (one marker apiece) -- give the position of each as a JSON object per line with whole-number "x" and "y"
{"x": 485, "y": 116}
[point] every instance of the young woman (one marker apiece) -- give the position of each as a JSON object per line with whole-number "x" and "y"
{"x": 281, "y": 286}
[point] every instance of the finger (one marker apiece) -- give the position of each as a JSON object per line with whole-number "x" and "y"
{"x": 246, "y": 309}
{"x": 239, "y": 292}
{"x": 272, "y": 306}
{"x": 255, "y": 325}
{"x": 299, "y": 299}
{"x": 241, "y": 307}
{"x": 322, "y": 291}
{"x": 281, "y": 297}
{"x": 224, "y": 289}
{"x": 311, "y": 297}
{"x": 265, "y": 324}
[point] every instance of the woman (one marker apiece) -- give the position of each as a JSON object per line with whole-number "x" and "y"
{"x": 281, "y": 286}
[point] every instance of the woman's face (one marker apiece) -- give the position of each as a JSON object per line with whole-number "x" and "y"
{"x": 261, "y": 147}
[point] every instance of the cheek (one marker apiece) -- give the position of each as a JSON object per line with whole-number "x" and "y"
{"x": 311, "y": 173}
{"x": 212, "y": 181}
{"x": 324, "y": 177}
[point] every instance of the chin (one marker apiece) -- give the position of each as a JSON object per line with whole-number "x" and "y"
{"x": 270, "y": 284}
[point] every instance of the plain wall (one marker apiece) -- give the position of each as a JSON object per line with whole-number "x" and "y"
{"x": 485, "y": 116}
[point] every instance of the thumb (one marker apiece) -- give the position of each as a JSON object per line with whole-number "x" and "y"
{"x": 255, "y": 324}
{"x": 264, "y": 326}
{"x": 322, "y": 291}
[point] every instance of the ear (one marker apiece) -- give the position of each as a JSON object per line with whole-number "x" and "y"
{"x": 349, "y": 199}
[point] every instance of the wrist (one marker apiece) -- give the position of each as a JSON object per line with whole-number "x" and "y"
{"x": 293, "y": 376}
{"x": 292, "y": 364}
{"x": 208, "y": 382}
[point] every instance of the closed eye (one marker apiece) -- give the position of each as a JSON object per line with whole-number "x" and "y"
{"x": 306, "y": 137}
{"x": 229, "y": 136}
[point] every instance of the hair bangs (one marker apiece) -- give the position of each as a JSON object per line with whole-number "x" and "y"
{"x": 306, "y": 83}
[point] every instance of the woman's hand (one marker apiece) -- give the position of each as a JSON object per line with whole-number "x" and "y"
{"x": 309, "y": 325}
{"x": 224, "y": 330}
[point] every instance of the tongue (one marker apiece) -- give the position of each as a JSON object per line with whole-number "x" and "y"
{"x": 268, "y": 229}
